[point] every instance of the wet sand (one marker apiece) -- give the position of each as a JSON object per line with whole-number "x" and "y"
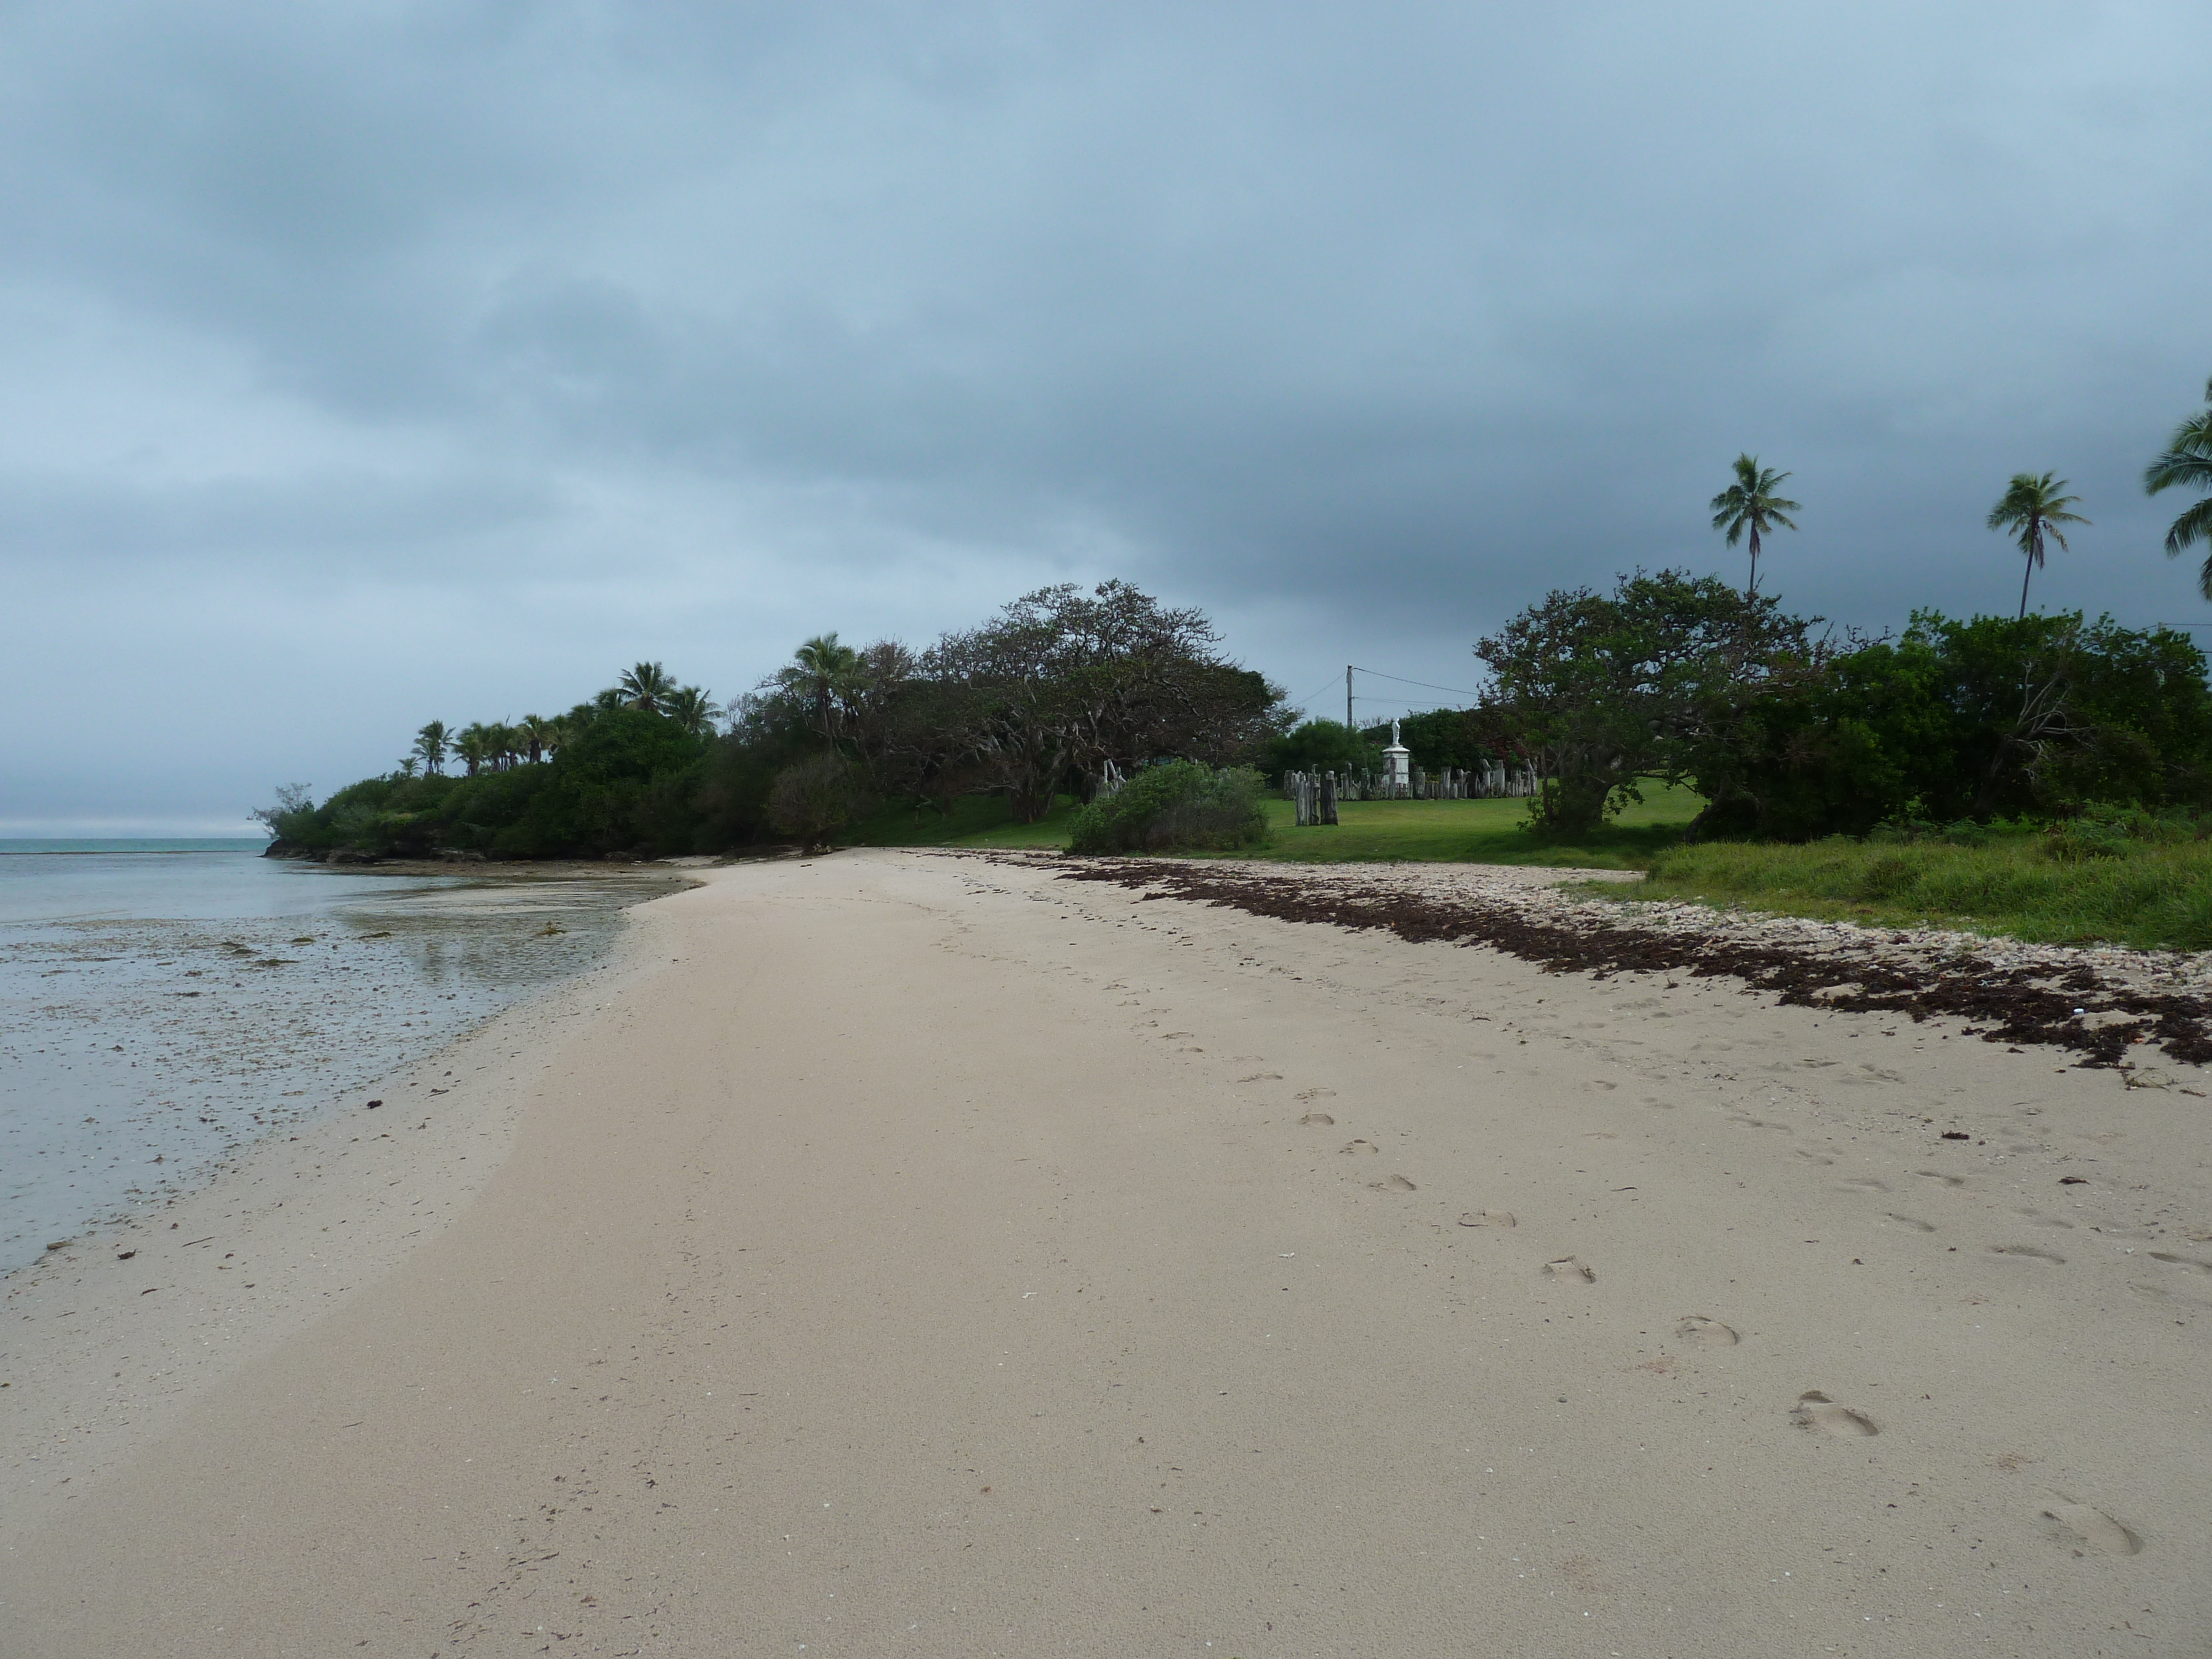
{"x": 921, "y": 1254}
{"x": 174, "y": 1022}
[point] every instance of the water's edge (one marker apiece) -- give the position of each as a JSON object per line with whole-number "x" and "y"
{"x": 141, "y": 1054}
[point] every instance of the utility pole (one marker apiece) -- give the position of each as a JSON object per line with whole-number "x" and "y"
{"x": 1348, "y": 725}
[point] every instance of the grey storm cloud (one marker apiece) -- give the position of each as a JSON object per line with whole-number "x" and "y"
{"x": 369, "y": 363}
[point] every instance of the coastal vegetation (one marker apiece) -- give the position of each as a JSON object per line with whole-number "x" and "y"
{"x": 1061, "y": 692}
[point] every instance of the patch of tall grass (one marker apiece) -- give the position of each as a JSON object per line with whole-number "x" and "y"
{"x": 2143, "y": 883}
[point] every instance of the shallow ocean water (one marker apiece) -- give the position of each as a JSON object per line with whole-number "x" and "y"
{"x": 161, "y": 1010}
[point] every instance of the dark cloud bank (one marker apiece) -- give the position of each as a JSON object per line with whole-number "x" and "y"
{"x": 369, "y": 364}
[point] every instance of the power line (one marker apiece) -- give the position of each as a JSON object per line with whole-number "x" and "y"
{"x": 1456, "y": 690}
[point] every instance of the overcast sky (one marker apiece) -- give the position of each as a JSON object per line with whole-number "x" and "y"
{"x": 361, "y": 364}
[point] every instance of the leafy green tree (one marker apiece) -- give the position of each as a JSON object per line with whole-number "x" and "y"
{"x": 474, "y": 746}
{"x": 647, "y": 686}
{"x": 291, "y": 818}
{"x": 1061, "y": 682}
{"x": 1997, "y": 716}
{"x": 430, "y": 744}
{"x": 1323, "y": 746}
{"x": 2032, "y": 509}
{"x": 1603, "y": 690}
{"x": 1750, "y": 506}
{"x": 2188, "y": 461}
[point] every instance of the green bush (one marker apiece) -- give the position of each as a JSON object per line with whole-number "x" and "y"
{"x": 811, "y": 802}
{"x": 1176, "y": 805}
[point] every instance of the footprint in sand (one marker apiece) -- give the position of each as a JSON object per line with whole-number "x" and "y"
{"x": 2037, "y": 1218}
{"x": 1744, "y": 1122}
{"x": 1913, "y": 1222}
{"x": 1316, "y": 1094}
{"x": 2160, "y": 1295}
{"x": 1863, "y": 1184}
{"x": 2187, "y": 1263}
{"x": 1706, "y": 1333}
{"x": 1938, "y": 1176}
{"x": 1359, "y": 1146}
{"x": 1569, "y": 1270}
{"x": 2028, "y": 1252}
{"x": 1396, "y": 1183}
{"x": 1316, "y": 1119}
{"x": 1262, "y": 1077}
{"x": 2085, "y": 1530}
{"x": 1488, "y": 1218}
{"x": 1815, "y": 1410}
{"x": 1811, "y": 1157}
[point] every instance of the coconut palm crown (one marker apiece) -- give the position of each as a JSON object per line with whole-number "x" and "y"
{"x": 430, "y": 745}
{"x": 692, "y": 708}
{"x": 647, "y": 686}
{"x": 2188, "y": 460}
{"x": 1751, "y": 506}
{"x": 820, "y": 673}
{"x": 2032, "y": 508}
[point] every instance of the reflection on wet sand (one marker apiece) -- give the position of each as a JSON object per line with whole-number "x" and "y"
{"x": 136, "y": 1054}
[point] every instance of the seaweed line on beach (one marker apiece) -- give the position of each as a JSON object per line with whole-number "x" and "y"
{"x": 2069, "y": 1005}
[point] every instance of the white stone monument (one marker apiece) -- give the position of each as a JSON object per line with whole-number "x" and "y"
{"x": 1397, "y": 768}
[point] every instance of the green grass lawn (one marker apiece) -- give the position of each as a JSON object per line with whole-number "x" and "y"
{"x": 1372, "y": 831}
{"x": 2152, "y": 896}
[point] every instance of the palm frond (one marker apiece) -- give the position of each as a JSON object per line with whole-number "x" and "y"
{"x": 2193, "y": 526}
{"x": 2188, "y": 458}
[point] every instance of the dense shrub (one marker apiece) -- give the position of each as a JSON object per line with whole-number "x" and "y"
{"x": 811, "y": 802}
{"x": 1180, "y": 805}
{"x": 1994, "y": 717}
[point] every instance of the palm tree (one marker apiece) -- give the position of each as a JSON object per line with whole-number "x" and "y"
{"x": 473, "y": 746}
{"x": 536, "y": 732}
{"x": 2188, "y": 460}
{"x": 819, "y": 672}
{"x": 2033, "y": 508}
{"x": 430, "y": 747}
{"x": 647, "y": 686}
{"x": 692, "y": 708}
{"x": 1751, "y": 504}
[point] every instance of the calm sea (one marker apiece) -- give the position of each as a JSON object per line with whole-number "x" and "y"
{"x": 163, "y": 1004}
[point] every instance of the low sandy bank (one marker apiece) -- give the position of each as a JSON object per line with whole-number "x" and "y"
{"x": 923, "y": 1254}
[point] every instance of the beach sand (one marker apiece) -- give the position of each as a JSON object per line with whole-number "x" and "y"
{"x": 900, "y": 1254}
